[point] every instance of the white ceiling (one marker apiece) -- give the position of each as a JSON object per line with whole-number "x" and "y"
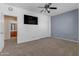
{"x": 61, "y": 7}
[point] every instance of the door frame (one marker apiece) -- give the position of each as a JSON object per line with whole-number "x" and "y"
{"x": 3, "y": 15}
{"x": 14, "y": 30}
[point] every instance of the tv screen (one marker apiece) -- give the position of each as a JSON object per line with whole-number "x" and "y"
{"x": 30, "y": 19}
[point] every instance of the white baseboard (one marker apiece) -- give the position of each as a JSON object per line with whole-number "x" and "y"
{"x": 66, "y": 39}
{"x": 18, "y": 42}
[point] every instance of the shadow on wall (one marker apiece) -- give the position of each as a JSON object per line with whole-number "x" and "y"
{"x": 65, "y": 25}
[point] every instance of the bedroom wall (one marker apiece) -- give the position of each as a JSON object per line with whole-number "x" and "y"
{"x": 65, "y": 25}
{"x": 78, "y": 23}
{"x": 28, "y": 32}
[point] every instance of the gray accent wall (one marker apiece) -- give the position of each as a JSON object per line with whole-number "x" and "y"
{"x": 78, "y": 24}
{"x": 65, "y": 25}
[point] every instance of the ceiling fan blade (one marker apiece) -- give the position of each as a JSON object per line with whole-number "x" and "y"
{"x": 42, "y": 10}
{"x": 52, "y": 7}
{"x": 48, "y": 11}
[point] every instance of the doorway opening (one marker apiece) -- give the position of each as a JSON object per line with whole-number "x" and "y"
{"x": 10, "y": 29}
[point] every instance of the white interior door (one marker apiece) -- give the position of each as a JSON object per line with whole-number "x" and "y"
{"x": 1, "y": 32}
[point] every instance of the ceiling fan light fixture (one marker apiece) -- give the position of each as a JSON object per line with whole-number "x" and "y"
{"x": 47, "y": 8}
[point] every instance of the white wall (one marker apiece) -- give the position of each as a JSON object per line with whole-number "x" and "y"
{"x": 28, "y": 32}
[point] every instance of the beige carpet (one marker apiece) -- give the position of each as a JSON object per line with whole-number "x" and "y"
{"x": 41, "y": 47}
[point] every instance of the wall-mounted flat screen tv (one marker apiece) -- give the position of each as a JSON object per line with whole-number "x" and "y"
{"x": 30, "y": 20}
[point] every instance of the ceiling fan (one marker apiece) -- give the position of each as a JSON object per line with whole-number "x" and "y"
{"x": 47, "y": 8}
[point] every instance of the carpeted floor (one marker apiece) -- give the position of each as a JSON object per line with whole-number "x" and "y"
{"x": 41, "y": 47}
